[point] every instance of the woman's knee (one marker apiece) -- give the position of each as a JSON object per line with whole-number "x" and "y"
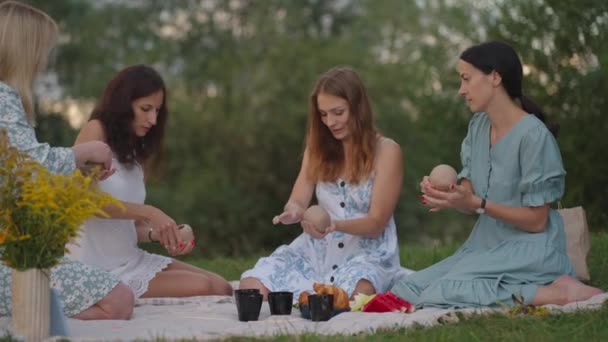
{"x": 223, "y": 287}
{"x": 364, "y": 286}
{"x": 119, "y": 303}
{"x": 213, "y": 285}
{"x": 250, "y": 283}
{"x": 253, "y": 283}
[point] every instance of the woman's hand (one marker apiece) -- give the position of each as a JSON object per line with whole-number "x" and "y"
{"x": 164, "y": 230}
{"x": 92, "y": 153}
{"x": 287, "y": 217}
{"x": 292, "y": 213}
{"x": 186, "y": 244}
{"x": 183, "y": 248}
{"x": 425, "y": 183}
{"x": 459, "y": 197}
{"x": 310, "y": 228}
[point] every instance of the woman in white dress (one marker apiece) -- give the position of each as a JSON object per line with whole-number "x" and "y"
{"x": 131, "y": 118}
{"x": 356, "y": 175}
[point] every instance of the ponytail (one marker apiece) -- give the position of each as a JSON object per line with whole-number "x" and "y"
{"x": 502, "y": 58}
{"x": 530, "y": 107}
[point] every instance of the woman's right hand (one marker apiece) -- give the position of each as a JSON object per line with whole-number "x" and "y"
{"x": 289, "y": 216}
{"x": 94, "y": 152}
{"x": 311, "y": 229}
{"x": 164, "y": 228}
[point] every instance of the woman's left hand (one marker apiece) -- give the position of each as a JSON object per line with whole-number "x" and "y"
{"x": 182, "y": 249}
{"x": 458, "y": 197}
{"x": 311, "y": 229}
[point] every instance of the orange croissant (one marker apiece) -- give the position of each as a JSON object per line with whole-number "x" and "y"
{"x": 303, "y": 299}
{"x": 340, "y": 296}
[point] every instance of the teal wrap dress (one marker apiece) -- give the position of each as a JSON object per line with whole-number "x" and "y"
{"x": 522, "y": 169}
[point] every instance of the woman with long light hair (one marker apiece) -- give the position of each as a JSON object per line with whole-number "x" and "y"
{"x": 356, "y": 176}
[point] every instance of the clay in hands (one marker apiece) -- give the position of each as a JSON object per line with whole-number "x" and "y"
{"x": 318, "y": 217}
{"x": 442, "y": 176}
{"x": 185, "y": 233}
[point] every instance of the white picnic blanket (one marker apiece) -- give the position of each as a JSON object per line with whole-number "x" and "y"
{"x": 216, "y": 317}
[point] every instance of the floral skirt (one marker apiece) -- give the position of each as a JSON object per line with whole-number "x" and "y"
{"x": 79, "y": 286}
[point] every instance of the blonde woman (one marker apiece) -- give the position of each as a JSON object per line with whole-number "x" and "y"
{"x": 85, "y": 292}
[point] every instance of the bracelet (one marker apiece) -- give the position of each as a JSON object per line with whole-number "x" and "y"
{"x": 150, "y": 234}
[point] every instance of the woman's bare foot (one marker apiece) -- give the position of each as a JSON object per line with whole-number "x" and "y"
{"x": 564, "y": 290}
{"x": 575, "y": 290}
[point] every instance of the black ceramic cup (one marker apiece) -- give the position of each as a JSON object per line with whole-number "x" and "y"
{"x": 321, "y": 307}
{"x": 280, "y": 303}
{"x": 248, "y": 306}
{"x": 242, "y": 292}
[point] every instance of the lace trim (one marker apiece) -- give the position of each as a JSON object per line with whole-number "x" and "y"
{"x": 147, "y": 269}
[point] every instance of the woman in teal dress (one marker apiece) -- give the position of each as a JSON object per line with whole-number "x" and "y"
{"x": 85, "y": 292}
{"x": 512, "y": 171}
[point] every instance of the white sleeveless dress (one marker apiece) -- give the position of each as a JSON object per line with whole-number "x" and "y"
{"x": 111, "y": 244}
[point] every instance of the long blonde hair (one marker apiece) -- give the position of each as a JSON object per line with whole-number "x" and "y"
{"x": 26, "y": 37}
{"x": 326, "y": 154}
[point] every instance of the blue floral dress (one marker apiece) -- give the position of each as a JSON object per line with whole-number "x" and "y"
{"x": 524, "y": 168}
{"x": 340, "y": 259}
{"x": 79, "y": 286}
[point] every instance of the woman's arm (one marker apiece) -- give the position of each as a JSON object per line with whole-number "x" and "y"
{"x": 300, "y": 197}
{"x": 22, "y": 136}
{"x": 64, "y": 160}
{"x": 385, "y": 194}
{"x": 542, "y": 182}
{"x": 164, "y": 226}
{"x": 530, "y": 219}
{"x": 143, "y": 231}
{"x": 91, "y": 131}
{"x": 468, "y": 186}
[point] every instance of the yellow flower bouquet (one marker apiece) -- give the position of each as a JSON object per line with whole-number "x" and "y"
{"x": 40, "y": 212}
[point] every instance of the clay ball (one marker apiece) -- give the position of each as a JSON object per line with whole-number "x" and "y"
{"x": 185, "y": 233}
{"x": 318, "y": 216}
{"x": 442, "y": 176}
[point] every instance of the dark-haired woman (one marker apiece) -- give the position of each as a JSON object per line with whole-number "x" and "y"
{"x": 131, "y": 118}
{"x": 512, "y": 171}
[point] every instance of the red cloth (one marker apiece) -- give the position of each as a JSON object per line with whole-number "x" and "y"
{"x": 388, "y": 302}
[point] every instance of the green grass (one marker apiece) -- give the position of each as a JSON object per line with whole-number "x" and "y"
{"x": 581, "y": 326}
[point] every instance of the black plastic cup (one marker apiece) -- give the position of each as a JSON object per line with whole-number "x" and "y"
{"x": 241, "y": 292}
{"x": 280, "y": 303}
{"x": 248, "y": 306}
{"x": 321, "y": 307}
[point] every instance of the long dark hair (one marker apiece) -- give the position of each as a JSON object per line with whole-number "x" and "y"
{"x": 115, "y": 112}
{"x": 502, "y": 58}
